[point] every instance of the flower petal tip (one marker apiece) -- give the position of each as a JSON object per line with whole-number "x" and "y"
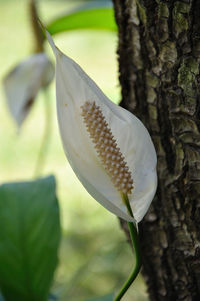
{"x": 51, "y": 42}
{"x": 48, "y": 36}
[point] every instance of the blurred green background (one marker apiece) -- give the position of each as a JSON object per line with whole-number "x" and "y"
{"x": 95, "y": 258}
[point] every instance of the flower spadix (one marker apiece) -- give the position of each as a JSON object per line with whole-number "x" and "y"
{"x": 23, "y": 83}
{"x": 108, "y": 148}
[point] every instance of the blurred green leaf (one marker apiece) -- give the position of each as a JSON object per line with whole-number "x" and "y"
{"x": 93, "y": 15}
{"x": 52, "y": 297}
{"x": 1, "y": 297}
{"x": 30, "y": 234}
{"x": 103, "y": 298}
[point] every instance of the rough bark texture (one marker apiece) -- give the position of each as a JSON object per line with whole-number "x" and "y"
{"x": 159, "y": 54}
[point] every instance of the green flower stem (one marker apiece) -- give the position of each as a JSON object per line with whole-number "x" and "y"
{"x": 46, "y": 136}
{"x": 125, "y": 200}
{"x": 136, "y": 246}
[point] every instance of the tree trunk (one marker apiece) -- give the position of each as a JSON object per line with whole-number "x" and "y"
{"x": 159, "y": 54}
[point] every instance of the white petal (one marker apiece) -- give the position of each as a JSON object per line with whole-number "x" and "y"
{"x": 73, "y": 89}
{"x": 23, "y": 83}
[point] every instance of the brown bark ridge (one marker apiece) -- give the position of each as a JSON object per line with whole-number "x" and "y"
{"x": 159, "y": 54}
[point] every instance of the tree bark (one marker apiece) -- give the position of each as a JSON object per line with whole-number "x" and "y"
{"x": 159, "y": 54}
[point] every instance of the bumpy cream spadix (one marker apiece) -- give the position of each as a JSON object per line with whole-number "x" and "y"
{"x": 109, "y": 148}
{"x": 106, "y": 147}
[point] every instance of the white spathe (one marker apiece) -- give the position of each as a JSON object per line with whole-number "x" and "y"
{"x": 22, "y": 84}
{"x": 73, "y": 89}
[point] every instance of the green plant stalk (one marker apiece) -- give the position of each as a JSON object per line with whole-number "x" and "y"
{"x": 46, "y": 136}
{"x": 37, "y": 31}
{"x": 136, "y": 247}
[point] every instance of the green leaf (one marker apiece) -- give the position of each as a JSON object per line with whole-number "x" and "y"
{"x": 1, "y": 298}
{"x": 29, "y": 239}
{"x": 94, "y": 15}
{"x": 104, "y": 298}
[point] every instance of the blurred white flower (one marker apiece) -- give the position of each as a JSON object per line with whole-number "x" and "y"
{"x": 23, "y": 83}
{"x": 109, "y": 149}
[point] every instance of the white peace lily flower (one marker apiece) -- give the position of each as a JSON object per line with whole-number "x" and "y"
{"x": 23, "y": 83}
{"x": 89, "y": 125}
